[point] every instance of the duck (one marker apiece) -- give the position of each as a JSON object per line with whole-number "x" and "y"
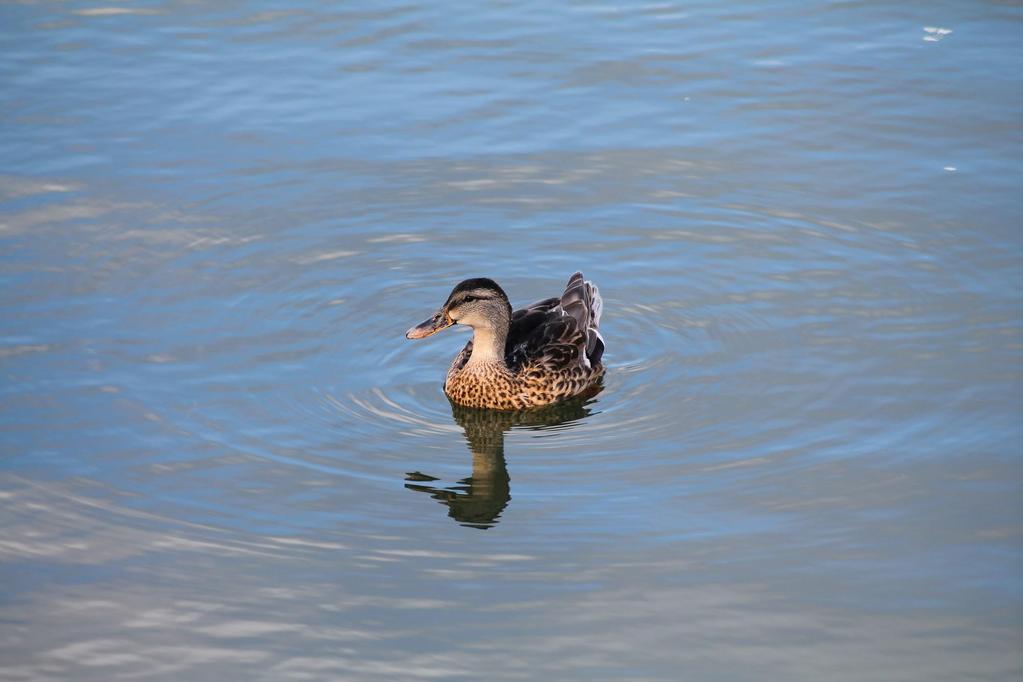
{"x": 516, "y": 360}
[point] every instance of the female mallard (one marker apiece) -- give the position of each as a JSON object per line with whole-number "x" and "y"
{"x": 546, "y": 352}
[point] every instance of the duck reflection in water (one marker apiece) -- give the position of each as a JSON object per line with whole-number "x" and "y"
{"x": 477, "y": 501}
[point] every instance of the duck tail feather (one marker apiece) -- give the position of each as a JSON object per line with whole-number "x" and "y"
{"x": 582, "y": 302}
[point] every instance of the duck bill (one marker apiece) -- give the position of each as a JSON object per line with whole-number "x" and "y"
{"x": 431, "y": 326}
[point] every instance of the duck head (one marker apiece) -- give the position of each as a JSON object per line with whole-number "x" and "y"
{"x": 478, "y": 303}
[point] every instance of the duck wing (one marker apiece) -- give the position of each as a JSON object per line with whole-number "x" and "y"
{"x": 462, "y": 359}
{"x": 558, "y": 332}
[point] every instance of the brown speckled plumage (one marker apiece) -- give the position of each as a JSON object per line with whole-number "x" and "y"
{"x": 543, "y": 353}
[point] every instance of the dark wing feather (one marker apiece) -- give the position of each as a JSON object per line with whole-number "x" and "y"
{"x": 525, "y": 322}
{"x": 462, "y": 358}
{"x": 558, "y": 332}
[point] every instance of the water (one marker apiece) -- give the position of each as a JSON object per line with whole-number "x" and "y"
{"x": 222, "y": 460}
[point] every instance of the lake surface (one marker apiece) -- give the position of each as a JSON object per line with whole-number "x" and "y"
{"x": 221, "y": 459}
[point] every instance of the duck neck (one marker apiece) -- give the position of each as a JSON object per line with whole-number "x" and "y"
{"x": 488, "y": 345}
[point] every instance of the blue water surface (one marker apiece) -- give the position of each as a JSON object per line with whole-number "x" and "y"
{"x": 220, "y": 458}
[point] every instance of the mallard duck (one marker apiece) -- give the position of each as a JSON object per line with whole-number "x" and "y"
{"x": 546, "y": 352}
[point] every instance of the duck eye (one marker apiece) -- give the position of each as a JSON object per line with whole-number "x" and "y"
{"x": 468, "y": 299}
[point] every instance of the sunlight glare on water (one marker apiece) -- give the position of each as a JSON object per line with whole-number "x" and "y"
{"x": 221, "y": 459}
